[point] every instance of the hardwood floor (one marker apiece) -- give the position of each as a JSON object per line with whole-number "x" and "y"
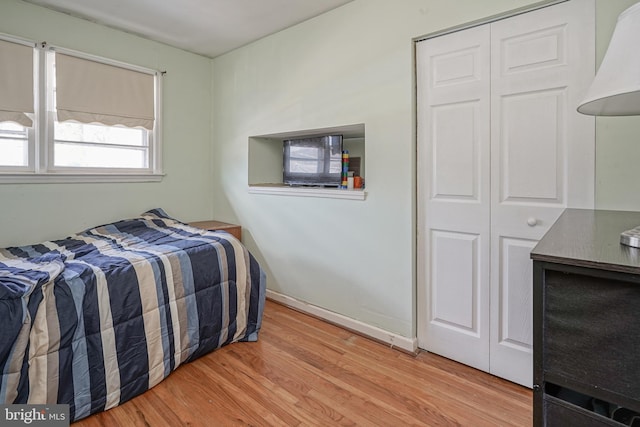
{"x": 306, "y": 372}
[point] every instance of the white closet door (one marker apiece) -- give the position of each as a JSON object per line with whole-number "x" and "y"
{"x": 453, "y": 138}
{"x": 542, "y": 158}
{"x": 501, "y": 152}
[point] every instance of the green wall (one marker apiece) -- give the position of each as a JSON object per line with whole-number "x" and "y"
{"x": 355, "y": 65}
{"x": 35, "y": 212}
{"x": 617, "y": 138}
{"x": 352, "y": 65}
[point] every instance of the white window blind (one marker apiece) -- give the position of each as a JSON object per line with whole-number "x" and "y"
{"x": 16, "y": 82}
{"x": 88, "y": 91}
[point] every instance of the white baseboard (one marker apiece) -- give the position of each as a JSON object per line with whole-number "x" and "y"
{"x": 395, "y": 341}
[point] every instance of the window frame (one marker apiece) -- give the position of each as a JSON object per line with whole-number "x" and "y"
{"x": 41, "y": 168}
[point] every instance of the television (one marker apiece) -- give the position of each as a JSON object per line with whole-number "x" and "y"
{"x": 313, "y": 161}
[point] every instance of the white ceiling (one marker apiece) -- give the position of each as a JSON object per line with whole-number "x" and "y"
{"x": 206, "y": 27}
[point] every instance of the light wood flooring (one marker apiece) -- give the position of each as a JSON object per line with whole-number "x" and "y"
{"x": 306, "y": 372}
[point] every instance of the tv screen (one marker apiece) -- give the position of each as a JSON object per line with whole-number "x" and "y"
{"x": 313, "y": 161}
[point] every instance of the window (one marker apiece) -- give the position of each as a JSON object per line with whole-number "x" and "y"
{"x": 95, "y": 101}
{"x": 14, "y": 145}
{"x": 78, "y": 145}
{"x": 96, "y": 121}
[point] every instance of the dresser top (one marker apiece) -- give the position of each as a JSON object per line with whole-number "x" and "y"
{"x": 590, "y": 238}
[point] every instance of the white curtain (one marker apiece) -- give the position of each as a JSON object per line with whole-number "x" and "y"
{"x": 90, "y": 91}
{"x": 16, "y": 82}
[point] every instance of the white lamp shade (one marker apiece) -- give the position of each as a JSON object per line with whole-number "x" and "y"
{"x": 615, "y": 91}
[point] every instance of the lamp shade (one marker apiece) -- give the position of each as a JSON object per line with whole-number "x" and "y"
{"x": 615, "y": 90}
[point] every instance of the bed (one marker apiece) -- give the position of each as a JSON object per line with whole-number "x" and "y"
{"x": 99, "y": 317}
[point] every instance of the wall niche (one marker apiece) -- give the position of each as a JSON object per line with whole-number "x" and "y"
{"x": 265, "y": 162}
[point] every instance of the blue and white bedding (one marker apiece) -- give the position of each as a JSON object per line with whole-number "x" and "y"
{"x": 99, "y": 317}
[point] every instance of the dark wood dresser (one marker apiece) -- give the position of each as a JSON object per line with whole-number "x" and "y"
{"x": 586, "y": 314}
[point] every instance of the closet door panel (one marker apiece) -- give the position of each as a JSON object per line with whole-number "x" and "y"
{"x": 532, "y": 148}
{"x": 453, "y": 193}
{"x": 541, "y": 157}
{"x": 515, "y": 329}
{"x": 455, "y": 146}
{"x": 455, "y": 281}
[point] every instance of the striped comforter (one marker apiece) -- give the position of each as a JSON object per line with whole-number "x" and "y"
{"x": 99, "y": 317}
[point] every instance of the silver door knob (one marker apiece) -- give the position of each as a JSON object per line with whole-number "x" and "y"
{"x": 532, "y": 222}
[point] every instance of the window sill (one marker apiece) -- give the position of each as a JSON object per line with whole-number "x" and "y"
{"x": 331, "y": 193}
{"x": 59, "y": 178}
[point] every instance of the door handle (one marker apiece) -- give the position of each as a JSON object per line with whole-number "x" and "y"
{"x": 532, "y": 222}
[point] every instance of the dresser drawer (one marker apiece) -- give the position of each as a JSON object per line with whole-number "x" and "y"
{"x": 592, "y": 333}
{"x": 563, "y": 414}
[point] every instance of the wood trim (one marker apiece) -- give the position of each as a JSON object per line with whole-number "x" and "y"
{"x": 399, "y": 342}
{"x": 213, "y": 225}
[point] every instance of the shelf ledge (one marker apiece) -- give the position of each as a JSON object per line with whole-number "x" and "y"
{"x": 331, "y": 193}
